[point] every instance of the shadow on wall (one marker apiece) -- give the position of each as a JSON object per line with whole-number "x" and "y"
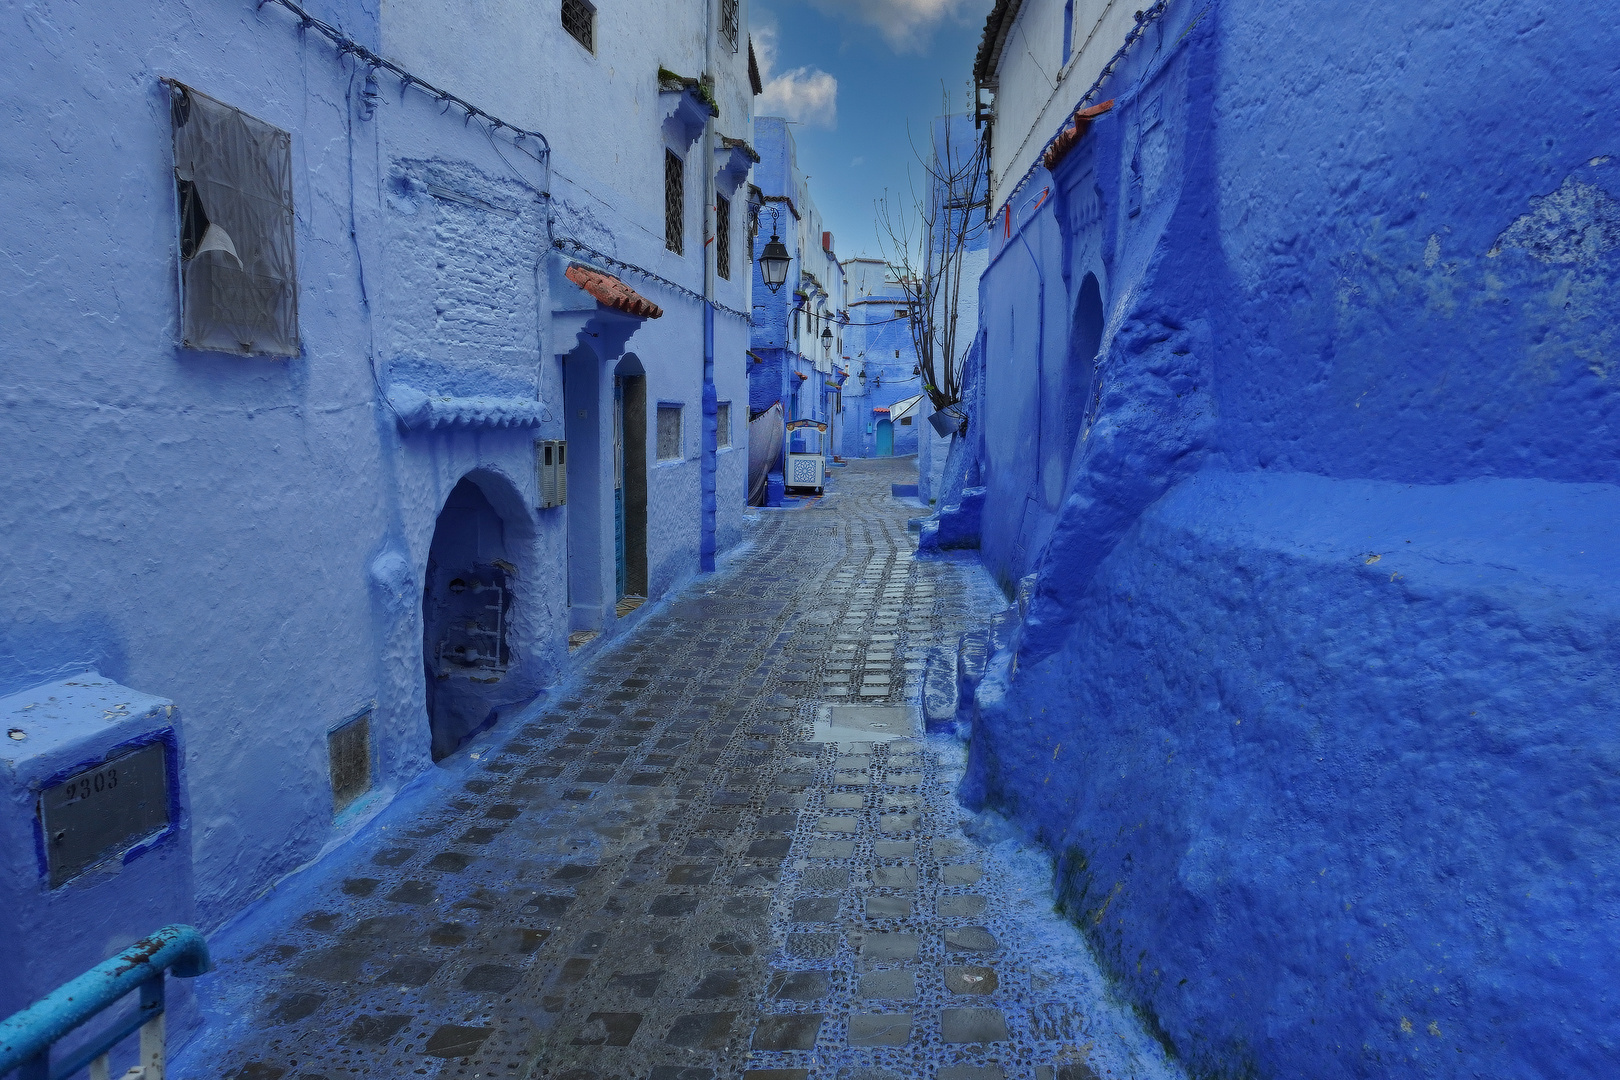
{"x": 1085, "y": 340}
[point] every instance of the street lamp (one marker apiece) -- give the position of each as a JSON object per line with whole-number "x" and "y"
{"x": 826, "y": 340}
{"x": 773, "y": 261}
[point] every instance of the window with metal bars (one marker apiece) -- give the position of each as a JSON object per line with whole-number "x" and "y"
{"x": 728, "y": 22}
{"x": 674, "y": 202}
{"x": 579, "y": 19}
{"x": 722, "y": 236}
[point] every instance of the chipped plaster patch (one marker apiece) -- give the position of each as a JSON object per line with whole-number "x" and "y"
{"x": 1578, "y": 223}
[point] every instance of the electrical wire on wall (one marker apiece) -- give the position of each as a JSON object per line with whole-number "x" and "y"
{"x": 491, "y": 123}
{"x": 487, "y": 122}
{"x": 359, "y": 258}
{"x": 845, "y": 321}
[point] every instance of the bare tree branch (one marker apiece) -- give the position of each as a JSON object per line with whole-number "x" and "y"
{"x": 927, "y": 237}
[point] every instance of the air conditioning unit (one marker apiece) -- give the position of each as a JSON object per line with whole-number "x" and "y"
{"x": 806, "y": 471}
{"x": 551, "y": 471}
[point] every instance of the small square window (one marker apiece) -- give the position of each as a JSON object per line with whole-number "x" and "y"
{"x": 579, "y": 19}
{"x": 233, "y": 183}
{"x": 669, "y": 433}
{"x": 722, "y": 236}
{"x": 348, "y": 750}
{"x": 674, "y": 202}
{"x": 730, "y": 19}
{"x": 722, "y": 424}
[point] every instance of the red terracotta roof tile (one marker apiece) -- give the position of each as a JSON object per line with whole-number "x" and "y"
{"x": 611, "y": 291}
{"x": 1071, "y": 135}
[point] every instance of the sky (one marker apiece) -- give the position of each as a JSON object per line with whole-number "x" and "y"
{"x": 855, "y": 74}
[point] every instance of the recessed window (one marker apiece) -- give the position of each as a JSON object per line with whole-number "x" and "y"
{"x": 579, "y": 19}
{"x": 348, "y": 749}
{"x": 674, "y": 202}
{"x": 669, "y": 433}
{"x": 729, "y": 21}
{"x": 1068, "y": 30}
{"x": 722, "y": 236}
{"x": 722, "y": 424}
{"x": 233, "y": 186}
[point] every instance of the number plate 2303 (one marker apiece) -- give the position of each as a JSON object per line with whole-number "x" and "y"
{"x": 103, "y": 811}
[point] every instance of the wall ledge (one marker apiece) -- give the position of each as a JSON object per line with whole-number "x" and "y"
{"x": 418, "y": 411}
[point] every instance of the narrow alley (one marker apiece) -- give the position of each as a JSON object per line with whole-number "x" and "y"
{"x": 681, "y": 871}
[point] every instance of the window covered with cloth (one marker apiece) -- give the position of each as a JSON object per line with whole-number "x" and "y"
{"x": 238, "y": 273}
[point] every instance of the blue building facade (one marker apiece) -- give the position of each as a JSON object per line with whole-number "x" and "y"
{"x": 1294, "y": 432}
{"x": 304, "y": 520}
{"x": 792, "y": 360}
{"x": 882, "y": 359}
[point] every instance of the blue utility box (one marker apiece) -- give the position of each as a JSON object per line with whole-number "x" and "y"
{"x": 95, "y": 850}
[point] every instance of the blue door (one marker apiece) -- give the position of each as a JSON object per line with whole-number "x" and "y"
{"x": 885, "y": 438}
{"x": 619, "y": 566}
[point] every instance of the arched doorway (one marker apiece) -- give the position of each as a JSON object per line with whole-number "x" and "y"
{"x": 466, "y": 618}
{"x": 630, "y": 480}
{"x": 885, "y": 438}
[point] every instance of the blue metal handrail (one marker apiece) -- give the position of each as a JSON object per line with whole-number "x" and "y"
{"x": 27, "y": 1037}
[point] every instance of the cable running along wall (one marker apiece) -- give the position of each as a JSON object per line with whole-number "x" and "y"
{"x": 493, "y": 123}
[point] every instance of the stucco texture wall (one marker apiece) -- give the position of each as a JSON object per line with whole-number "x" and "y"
{"x": 145, "y": 484}
{"x": 248, "y": 536}
{"x": 1315, "y": 698}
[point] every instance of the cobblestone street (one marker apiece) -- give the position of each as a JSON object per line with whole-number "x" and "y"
{"x": 725, "y": 850}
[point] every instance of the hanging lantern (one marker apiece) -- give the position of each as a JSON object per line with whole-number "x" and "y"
{"x": 773, "y": 262}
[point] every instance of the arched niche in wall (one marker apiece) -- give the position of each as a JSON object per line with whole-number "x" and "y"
{"x": 473, "y": 601}
{"x": 1085, "y": 340}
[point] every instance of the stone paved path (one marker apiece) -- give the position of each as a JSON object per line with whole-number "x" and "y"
{"x": 666, "y": 876}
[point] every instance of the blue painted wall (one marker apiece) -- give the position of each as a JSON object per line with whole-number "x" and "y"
{"x": 249, "y": 537}
{"x": 1315, "y": 697}
{"x": 878, "y": 344}
{"x": 791, "y": 365}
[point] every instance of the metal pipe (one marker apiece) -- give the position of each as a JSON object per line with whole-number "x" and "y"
{"x": 26, "y": 1037}
{"x": 711, "y": 406}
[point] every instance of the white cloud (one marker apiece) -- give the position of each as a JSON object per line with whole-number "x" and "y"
{"x": 907, "y": 25}
{"x": 806, "y": 94}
